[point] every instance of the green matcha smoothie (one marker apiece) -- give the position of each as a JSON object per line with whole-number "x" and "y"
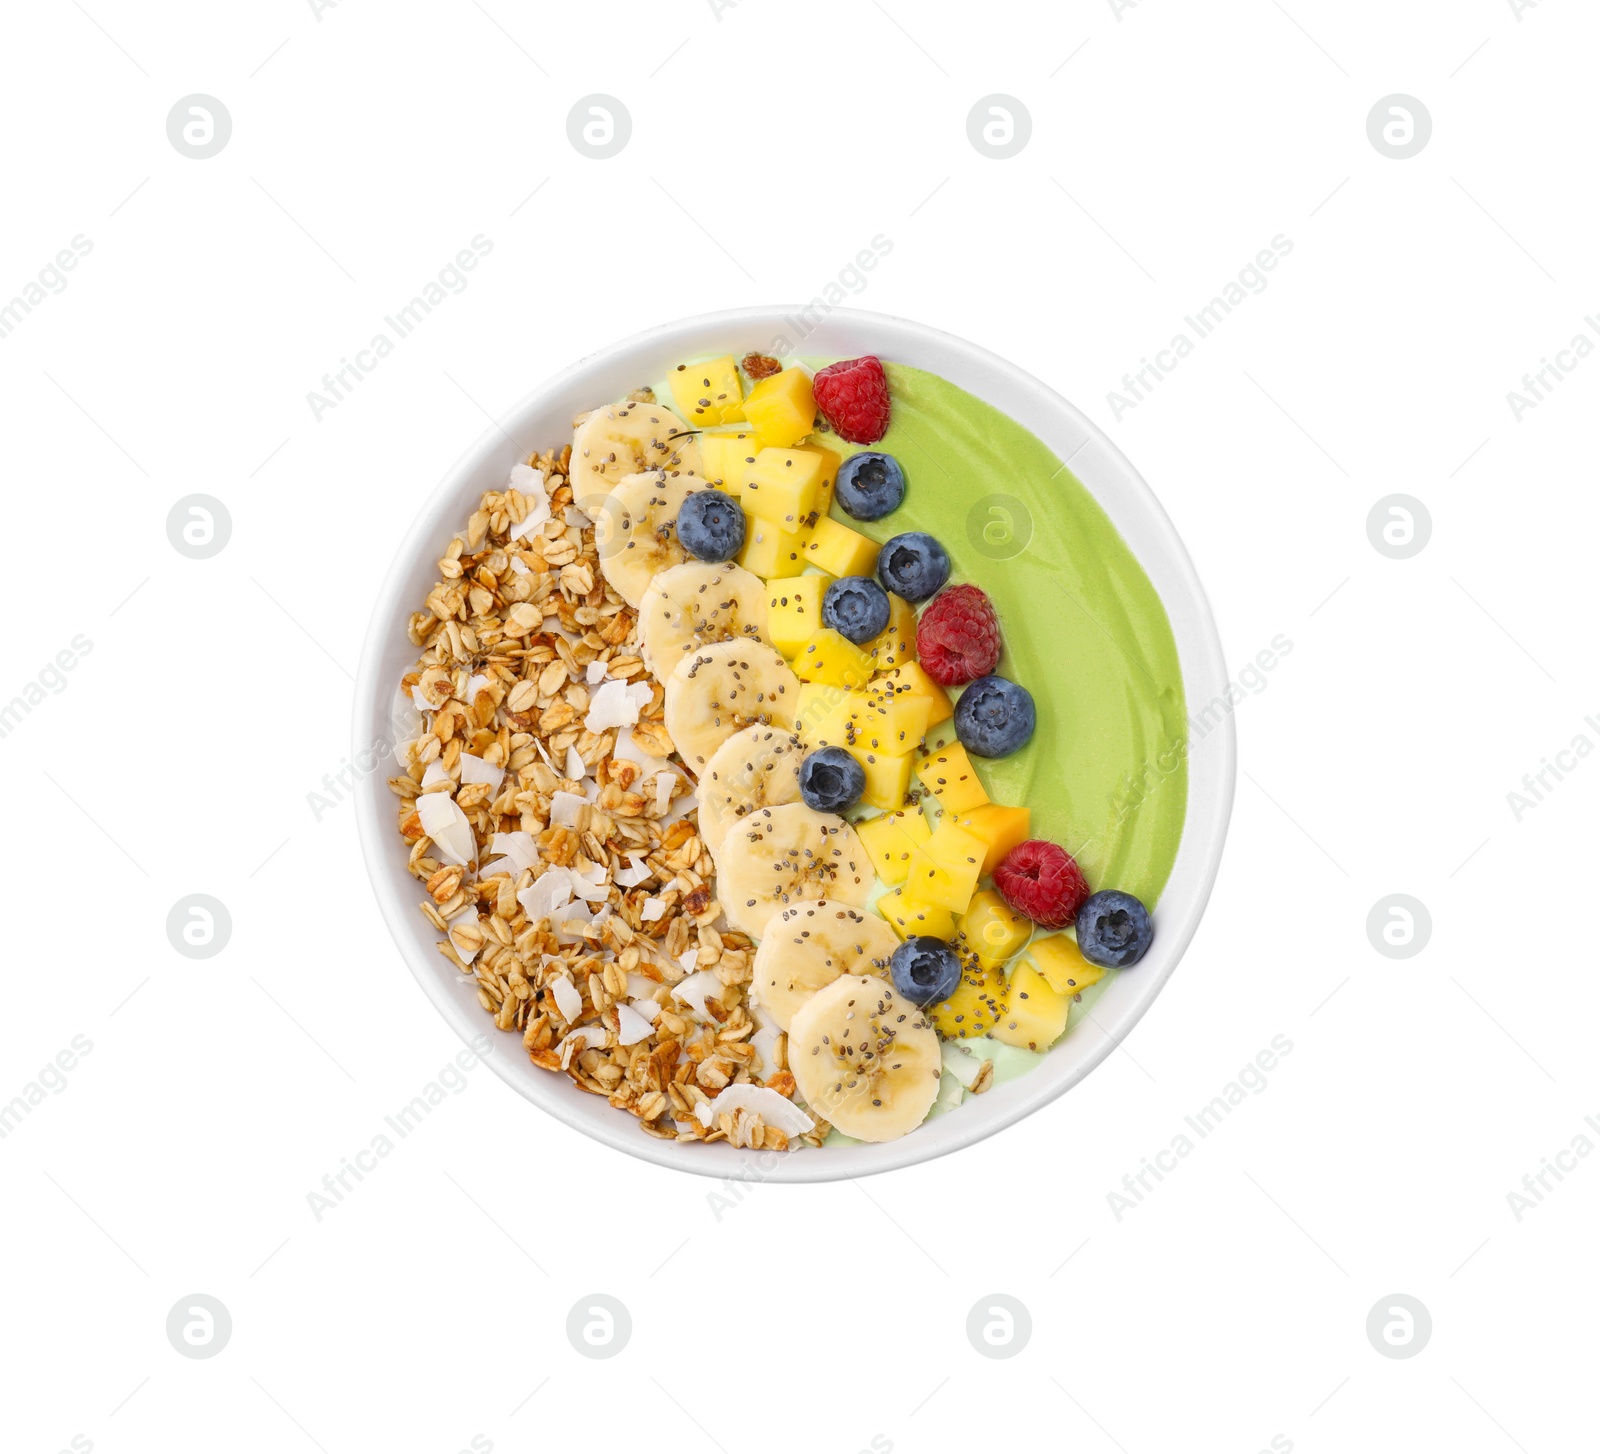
{"x": 1106, "y": 774}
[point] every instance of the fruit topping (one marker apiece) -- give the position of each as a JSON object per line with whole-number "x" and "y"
{"x": 864, "y": 1059}
{"x": 781, "y": 408}
{"x": 1114, "y": 929}
{"x": 1042, "y": 881}
{"x": 958, "y": 636}
{"x": 913, "y": 565}
{"x": 711, "y": 525}
{"x": 708, "y": 393}
{"x": 925, "y": 970}
{"x": 831, "y": 780}
{"x": 871, "y": 485}
{"x": 854, "y": 398}
{"x": 1035, "y": 1014}
{"x": 994, "y": 717}
{"x": 949, "y": 775}
{"x": 857, "y": 607}
{"x": 974, "y": 1006}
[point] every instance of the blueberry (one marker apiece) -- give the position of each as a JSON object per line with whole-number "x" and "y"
{"x": 831, "y": 780}
{"x": 994, "y": 717}
{"x": 925, "y": 970}
{"x": 870, "y": 485}
{"x": 857, "y": 608}
{"x": 1113, "y": 929}
{"x": 913, "y": 565}
{"x": 711, "y": 525}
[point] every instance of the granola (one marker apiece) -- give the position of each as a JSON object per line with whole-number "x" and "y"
{"x": 557, "y": 845}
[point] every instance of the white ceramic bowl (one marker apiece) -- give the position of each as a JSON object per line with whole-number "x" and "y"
{"x": 546, "y": 416}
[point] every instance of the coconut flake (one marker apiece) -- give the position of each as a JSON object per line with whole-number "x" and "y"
{"x": 547, "y": 894}
{"x": 447, "y": 825}
{"x": 695, "y": 990}
{"x": 630, "y": 751}
{"x": 760, "y": 1100}
{"x": 564, "y": 808}
{"x": 475, "y": 684}
{"x": 567, "y": 998}
{"x": 666, "y": 786}
{"x": 520, "y": 851}
{"x": 577, "y": 768}
{"x": 641, "y": 986}
{"x": 682, "y": 806}
{"x": 476, "y": 770}
{"x": 595, "y": 673}
{"x": 529, "y": 483}
{"x": 635, "y": 873}
{"x": 632, "y": 1027}
{"x": 612, "y": 706}
{"x": 575, "y": 918}
{"x": 590, "y": 886}
{"x": 765, "y": 1040}
{"x": 585, "y": 1037}
{"x": 652, "y": 909}
{"x": 518, "y": 568}
{"x": 460, "y": 921}
{"x": 962, "y": 1064}
{"x": 687, "y": 960}
{"x": 648, "y": 1008}
{"x": 435, "y": 776}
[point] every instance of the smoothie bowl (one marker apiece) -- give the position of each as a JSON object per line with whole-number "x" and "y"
{"x": 784, "y": 740}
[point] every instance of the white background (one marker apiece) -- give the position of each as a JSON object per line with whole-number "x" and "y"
{"x": 1170, "y": 143}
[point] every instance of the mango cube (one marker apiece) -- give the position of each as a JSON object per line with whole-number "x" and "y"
{"x": 976, "y": 1004}
{"x": 824, "y": 719}
{"x": 944, "y": 870}
{"x": 888, "y": 777}
{"x": 908, "y": 916}
{"x": 832, "y": 658}
{"x": 889, "y": 841}
{"x": 949, "y": 775}
{"x": 994, "y": 931}
{"x": 909, "y": 678}
{"x": 781, "y": 486}
{"x": 781, "y": 408}
{"x": 825, "y": 481}
{"x": 1001, "y": 829}
{"x": 725, "y": 454}
{"x": 794, "y": 611}
{"x": 813, "y": 705}
{"x": 770, "y": 551}
{"x": 839, "y": 550}
{"x": 1035, "y": 1014}
{"x": 897, "y": 642}
{"x": 1059, "y": 960}
{"x": 886, "y": 722}
{"x": 708, "y": 393}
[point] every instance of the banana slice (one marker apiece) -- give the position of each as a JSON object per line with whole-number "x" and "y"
{"x": 618, "y": 440}
{"x": 696, "y": 603}
{"x": 810, "y": 945}
{"x": 636, "y": 529}
{"x": 787, "y": 855}
{"x": 865, "y": 1058}
{"x": 758, "y": 767}
{"x": 715, "y": 690}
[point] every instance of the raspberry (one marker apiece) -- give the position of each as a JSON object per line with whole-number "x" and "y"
{"x": 854, "y": 398}
{"x": 1042, "y": 882}
{"x": 958, "y": 636}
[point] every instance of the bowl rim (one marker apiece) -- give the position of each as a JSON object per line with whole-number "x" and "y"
{"x": 1200, "y": 648}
